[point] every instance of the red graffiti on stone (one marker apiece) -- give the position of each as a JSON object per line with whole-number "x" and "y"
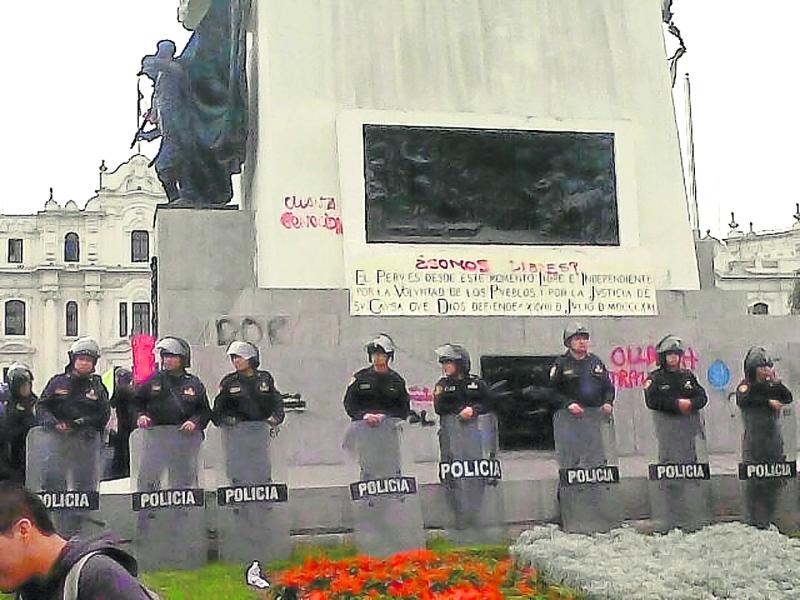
{"x": 629, "y": 365}
{"x": 421, "y": 394}
{"x": 144, "y": 361}
{"x": 311, "y": 213}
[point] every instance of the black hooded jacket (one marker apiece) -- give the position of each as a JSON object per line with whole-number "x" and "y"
{"x": 110, "y": 575}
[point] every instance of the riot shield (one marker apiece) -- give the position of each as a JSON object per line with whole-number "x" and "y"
{"x": 768, "y": 467}
{"x": 253, "y": 514}
{"x": 387, "y": 515}
{"x": 471, "y": 474}
{"x": 588, "y": 471}
{"x": 171, "y": 523}
{"x": 679, "y": 475}
{"x": 64, "y": 468}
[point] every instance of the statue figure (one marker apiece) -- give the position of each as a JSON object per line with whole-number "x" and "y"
{"x": 198, "y": 109}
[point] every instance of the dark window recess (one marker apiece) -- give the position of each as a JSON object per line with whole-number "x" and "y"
{"x": 141, "y": 318}
{"x": 123, "y": 319}
{"x": 71, "y": 317}
{"x": 140, "y": 246}
{"x": 72, "y": 248}
{"x": 759, "y": 308}
{"x": 15, "y": 317}
{"x": 525, "y": 417}
{"x": 15, "y": 251}
{"x": 489, "y": 186}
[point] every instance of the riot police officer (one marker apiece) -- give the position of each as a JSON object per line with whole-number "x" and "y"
{"x": 247, "y": 394}
{"x": 377, "y": 391}
{"x": 761, "y": 397}
{"x": 122, "y": 400}
{"x": 76, "y": 400}
{"x": 671, "y": 388}
{"x": 459, "y": 392}
{"x": 579, "y": 378}
{"x": 171, "y": 395}
{"x": 19, "y": 401}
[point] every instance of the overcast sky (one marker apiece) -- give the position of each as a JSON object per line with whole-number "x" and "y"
{"x": 69, "y": 99}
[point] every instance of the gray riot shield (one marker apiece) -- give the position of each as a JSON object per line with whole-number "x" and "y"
{"x": 588, "y": 471}
{"x": 253, "y": 522}
{"x": 471, "y": 474}
{"x": 387, "y": 515}
{"x": 171, "y": 524}
{"x": 679, "y": 474}
{"x": 768, "y": 467}
{"x": 64, "y": 468}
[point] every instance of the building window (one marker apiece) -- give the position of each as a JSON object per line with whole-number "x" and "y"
{"x": 72, "y": 247}
{"x": 72, "y": 319}
{"x": 141, "y": 318}
{"x": 15, "y": 251}
{"x": 15, "y": 317}
{"x": 123, "y": 319}
{"x": 140, "y": 246}
{"x": 759, "y": 308}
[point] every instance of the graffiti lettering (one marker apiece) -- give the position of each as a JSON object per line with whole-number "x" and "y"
{"x": 631, "y": 364}
{"x": 533, "y": 267}
{"x": 422, "y": 394}
{"x": 321, "y": 203}
{"x": 249, "y": 329}
{"x": 311, "y": 213}
{"x": 471, "y": 266}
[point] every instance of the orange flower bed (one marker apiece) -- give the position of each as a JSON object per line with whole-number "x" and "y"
{"x": 413, "y": 575}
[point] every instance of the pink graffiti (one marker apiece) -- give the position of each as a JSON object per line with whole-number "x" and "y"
{"x": 289, "y": 220}
{"x": 631, "y": 364}
{"x": 418, "y": 393}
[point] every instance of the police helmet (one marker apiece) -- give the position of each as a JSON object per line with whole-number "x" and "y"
{"x": 84, "y": 346}
{"x": 756, "y": 357}
{"x": 380, "y": 343}
{"x": 176, "y": 346}
{"x": 573, "y": 329}
{"x": 670, "y": 343}
{"x": 454, "y": 353}
{"x": 18, "y": 374}
{"x": 247, "y": 351}
{"x": 122, "y": 376}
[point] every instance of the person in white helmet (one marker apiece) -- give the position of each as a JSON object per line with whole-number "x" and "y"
{"x": 249, "y": 393}
{"x": 377, "y": 391}
{"x": 76, "y": 400}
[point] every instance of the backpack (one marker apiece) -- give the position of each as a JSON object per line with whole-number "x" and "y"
{"x": 74, "y": 575}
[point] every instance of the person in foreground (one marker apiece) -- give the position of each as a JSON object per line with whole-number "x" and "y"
{"x": 38, "y": 564}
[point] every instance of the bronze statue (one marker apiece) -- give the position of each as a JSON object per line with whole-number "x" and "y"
{"x": 199, "y": 108}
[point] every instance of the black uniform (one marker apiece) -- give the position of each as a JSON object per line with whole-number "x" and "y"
{"x": 584, "y": 381}
{"x": 373, "y": 392}
{"x": 6, "y": 472}
{"x": 122, "y": 400}
{"x": 451, "y": 395}
{"x": 243, "y": 398}
{"x": 80, "y": 402}
{"x": 173, "y": 399}
{"x": 665, "y": 387}
{"x": 763, "y": 441}
{"x": 19, "y": 419}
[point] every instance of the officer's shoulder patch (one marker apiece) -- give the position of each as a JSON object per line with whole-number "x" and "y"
{"x": 91, "y": 395}
{"x": 647, "y": 383}
{"x": 189, "y": 391}
{"x": 743, "y": 388}
{"x": 438, "y": 389}
{"x": 234, "y": 389}
{"x": 472, "y": 385}
{"x": 264, "y": 386}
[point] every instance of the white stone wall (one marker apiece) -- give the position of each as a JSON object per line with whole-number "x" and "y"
{"x": 531, "y": 64}
{"x": 104, "y": 276}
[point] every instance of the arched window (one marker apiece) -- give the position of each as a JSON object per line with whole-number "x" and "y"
{"x": 72, "y": 247}
{"x": 15, "y": 317}
{"x": 140, "y": 246}
{"x": 71, "y": 318}
{"x": 759, "y": 308}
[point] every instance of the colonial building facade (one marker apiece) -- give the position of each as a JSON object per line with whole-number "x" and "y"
{"x": 764, "y": 265}
{"x": 67, "y": 272}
